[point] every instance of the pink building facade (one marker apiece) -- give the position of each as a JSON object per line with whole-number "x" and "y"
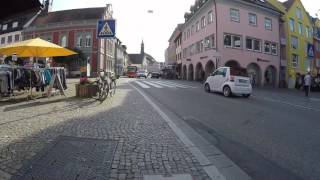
{"x": 233, "y": 33}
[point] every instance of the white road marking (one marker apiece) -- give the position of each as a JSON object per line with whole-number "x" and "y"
{"x": 288, "y": 103}
{"x": 211, "y": 170}
{"x": 142, "y": 85}
{"x": 177, "y": 84}
{"x": 162, "y": 84}
{"x": 152, "y": 84}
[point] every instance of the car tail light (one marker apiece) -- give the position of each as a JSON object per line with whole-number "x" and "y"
{"x": 231, "y": 78}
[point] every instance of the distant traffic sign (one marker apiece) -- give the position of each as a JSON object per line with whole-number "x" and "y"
{"x": 106, "y": 28}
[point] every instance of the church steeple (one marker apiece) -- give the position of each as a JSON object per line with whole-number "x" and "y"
{"x": 142, "y": 48}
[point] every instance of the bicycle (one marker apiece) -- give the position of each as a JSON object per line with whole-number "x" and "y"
{"x": 112, "y": 84}
{"x": 106, "y": 83}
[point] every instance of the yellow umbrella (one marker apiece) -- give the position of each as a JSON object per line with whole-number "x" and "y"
{"x": 35, "y": 48}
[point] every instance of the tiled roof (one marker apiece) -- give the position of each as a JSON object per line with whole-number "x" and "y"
{"x": 21, "y": 18}
{"x": 261, "y": 3}
{"x": 136, "y": 58}
{"x": 11, "y": 7}
{"x": 70, "y": 15}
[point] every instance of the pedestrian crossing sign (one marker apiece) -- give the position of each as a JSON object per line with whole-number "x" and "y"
{"x": 106, "y": 28}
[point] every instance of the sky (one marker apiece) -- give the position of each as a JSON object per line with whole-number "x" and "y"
{"x": 135, "y": 24}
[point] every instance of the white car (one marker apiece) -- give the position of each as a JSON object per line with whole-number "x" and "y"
{"x": 142, "y": 73}
{"x": 229, "y": 81}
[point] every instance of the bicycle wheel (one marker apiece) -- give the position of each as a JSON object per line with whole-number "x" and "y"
{"x": 103, "y": 91}
{"x": 113, "y": 87}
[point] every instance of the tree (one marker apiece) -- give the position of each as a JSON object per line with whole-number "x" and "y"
{"x": 80, "y": 56}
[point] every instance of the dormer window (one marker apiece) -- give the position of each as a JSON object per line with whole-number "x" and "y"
{"x": 4, "y": 27}
{"x": 15, "y": 24}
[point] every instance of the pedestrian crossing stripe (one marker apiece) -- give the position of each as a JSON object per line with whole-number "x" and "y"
{"x": 177, "y": 85}
{"x": 154, "y": 85}
{"x": 142, "y": 85}
{"x": 161, "y": 84}
{"x": 106, "y": 30}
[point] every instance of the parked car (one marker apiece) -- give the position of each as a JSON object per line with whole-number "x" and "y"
{"x": 142, "y": 73}
{"x": 155, "y": 75}
{"x": 229, "y": 81}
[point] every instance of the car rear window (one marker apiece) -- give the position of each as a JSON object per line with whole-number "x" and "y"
{"x": 238, "y": 72}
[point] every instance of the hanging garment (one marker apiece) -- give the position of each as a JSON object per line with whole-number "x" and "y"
{"x": 4, "y": 85}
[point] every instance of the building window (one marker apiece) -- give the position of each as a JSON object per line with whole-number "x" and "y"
{"x": 307, "y": 32}
{"x": 300, "y": 28}
{"x": 16, "y": 37}
{"x": 252, "y": 19}
{"x": 15, "y": 24}
{"x": 268, "y": 23}
{"x": 88, "y": 40}
{"x": 232, "y": 41}
{"x": 235, "y": 15}
{"x": 184, "y": 52}
{"x": 318, "y": 62}
{"x": 3, "y": 40}
{"x": 192, "y": 29}
{"x": 188, "y": 33}
{"x": 197, "y": 26}
{"x": 267, "y": 47}
{"x": 209, "y": 42}
{"x": 210, "y": 17}
{"x": 308, "y": 64}
{"x": 253, "y": 44}
{"x": 295, "y": 60}
{"x": 236, "y": 41}
{"x": 9, "y": 39}
{"x": 79, "y": 41}
{"x": 63, "y": 41}
{"x": 198, "y": 48}
{"x": 228, "y": 40}
{"x": 184, "y": 36}
{"x": 299, "y": 13}
{"x": 203, "y": 22}
{"x": 291, "y": 24}
{"x": 4, "y": 27}
{"x": 274, "y": 48}
{"x": 294, "y": 42}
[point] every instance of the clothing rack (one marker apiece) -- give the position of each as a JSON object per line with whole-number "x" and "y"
{"x": 54, "y": 76}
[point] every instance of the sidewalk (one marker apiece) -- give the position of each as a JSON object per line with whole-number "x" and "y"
{"x": 122, "y": 138}
{"x": 292, "y": 92}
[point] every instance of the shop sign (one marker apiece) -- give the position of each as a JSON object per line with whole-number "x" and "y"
{"x": 262, "y": 60}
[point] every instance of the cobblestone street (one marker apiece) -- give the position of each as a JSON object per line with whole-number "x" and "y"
{"x": 145, "y": 143}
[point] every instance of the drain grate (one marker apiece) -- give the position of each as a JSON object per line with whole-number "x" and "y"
{"x": 71, "y": 158}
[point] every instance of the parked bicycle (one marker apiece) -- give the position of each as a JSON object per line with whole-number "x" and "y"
{"x": 106, "y": 85}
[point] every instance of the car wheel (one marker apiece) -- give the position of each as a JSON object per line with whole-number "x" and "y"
{"x": 246, "y": 95}
{"x": 207, "y": 87}
{"x": 226, "y": 91}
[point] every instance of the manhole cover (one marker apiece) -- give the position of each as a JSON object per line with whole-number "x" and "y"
{"x": 71, "y": 158}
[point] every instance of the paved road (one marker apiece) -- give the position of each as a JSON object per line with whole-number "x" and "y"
{"x": 73, "y": 138}
{"x": 273, "y": 135}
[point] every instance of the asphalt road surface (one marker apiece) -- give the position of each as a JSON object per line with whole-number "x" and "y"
{"x": 273, "y": 135}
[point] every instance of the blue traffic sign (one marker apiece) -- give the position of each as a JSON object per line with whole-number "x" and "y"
{"x": 106, "y": 28}
{"x": 310, "y": 50}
